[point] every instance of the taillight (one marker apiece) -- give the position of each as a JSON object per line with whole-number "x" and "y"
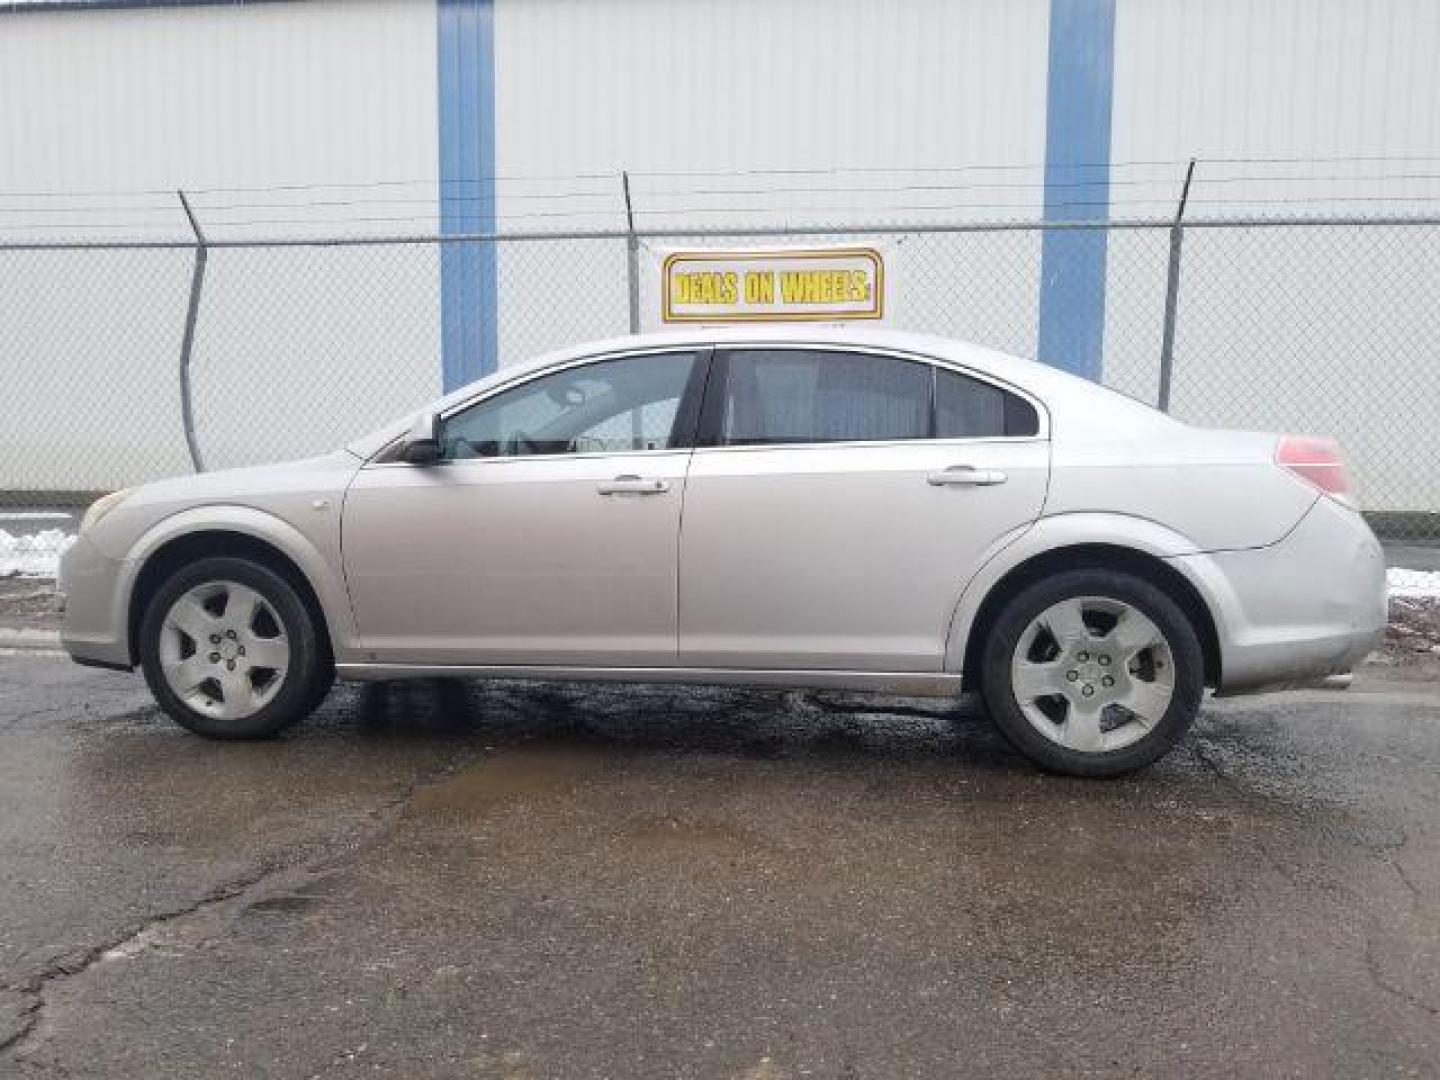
{"x": 1317, "y": 461}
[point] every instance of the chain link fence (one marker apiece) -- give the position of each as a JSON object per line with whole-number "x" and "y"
{"x": 292, "y": 347}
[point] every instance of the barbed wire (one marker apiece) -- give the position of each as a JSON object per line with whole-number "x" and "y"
{"x": 477, "y": 207}
{"x": 614, "y": 176}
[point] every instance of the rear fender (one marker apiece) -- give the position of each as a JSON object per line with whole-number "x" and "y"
{"x": 1070, "y": 530}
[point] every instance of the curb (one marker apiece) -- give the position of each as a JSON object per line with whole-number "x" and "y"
{"x": 16, "y": 638}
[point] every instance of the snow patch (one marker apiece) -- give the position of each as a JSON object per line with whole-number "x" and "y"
{"x": 33, "y": 554}
{"x": 1412, "y": 582}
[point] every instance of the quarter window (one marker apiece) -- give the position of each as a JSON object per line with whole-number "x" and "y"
{"x": 611, "y": 406}
{"x": 967, "y": 408}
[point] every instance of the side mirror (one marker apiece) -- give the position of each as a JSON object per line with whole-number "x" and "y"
{"x": 422, "y": 444}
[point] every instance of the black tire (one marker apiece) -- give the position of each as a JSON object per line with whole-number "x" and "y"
{"x": 1005, "y": 637}
{"x": 307, "y": 677}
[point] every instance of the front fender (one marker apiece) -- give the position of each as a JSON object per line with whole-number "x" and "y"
{"x": 304, "y": 552}
{"x": 1070, "y": 530}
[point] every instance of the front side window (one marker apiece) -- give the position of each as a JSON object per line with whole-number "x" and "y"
{"x": 610, "y": 406}
{"x": 814, "y": 396}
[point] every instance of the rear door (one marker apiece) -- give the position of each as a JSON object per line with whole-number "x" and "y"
{"x": 838, "y": 502}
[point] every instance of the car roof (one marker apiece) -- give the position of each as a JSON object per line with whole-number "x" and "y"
{"x": 1050, "y": 385}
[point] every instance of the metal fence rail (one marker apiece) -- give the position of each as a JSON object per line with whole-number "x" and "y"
{"x": 127, "y": 361}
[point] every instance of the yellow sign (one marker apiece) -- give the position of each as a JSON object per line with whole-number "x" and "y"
{"x": 780, "y": 285}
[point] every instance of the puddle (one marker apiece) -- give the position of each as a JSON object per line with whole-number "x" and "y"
{"x": 704, "y": 835}
{"x": 510, "y": 774}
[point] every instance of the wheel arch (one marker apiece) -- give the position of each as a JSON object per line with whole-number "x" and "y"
{"x": 266, "y": 542}
{"x": 996, "y": 585}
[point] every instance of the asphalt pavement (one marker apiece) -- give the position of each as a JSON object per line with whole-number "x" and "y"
{"x": 527, "y": 881}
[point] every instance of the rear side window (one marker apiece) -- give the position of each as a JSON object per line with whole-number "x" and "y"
{"x": 814, "y": 396}
{"x": 785, "y": 396}
{"x": 967, "y": 408}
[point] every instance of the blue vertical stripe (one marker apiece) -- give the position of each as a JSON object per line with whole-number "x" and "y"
{"x": 1077, "y": 184}
{"x": 465, "y": 55}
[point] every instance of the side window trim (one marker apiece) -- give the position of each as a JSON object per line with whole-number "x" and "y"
{"x": 932, "y": 426}
{"x": 685, "y": 431}
{"x": 705, "y": 395}
{"x": 709, "y": 433}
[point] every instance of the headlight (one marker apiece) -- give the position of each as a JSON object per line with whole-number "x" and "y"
{"x": 102, "y": 506}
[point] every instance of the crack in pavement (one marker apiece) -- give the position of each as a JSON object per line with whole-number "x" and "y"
{"x": 1389, "y": 854}
{"x": 1385, "y": 852}
{"x": 79, "y": 961}
{"x": 1405, "y": 878}
{"x": 23, "y": 1016}
{"x": 276, "y": 876}
{"x": 15, "y": 720}
{"x": 7, "y": 723}
{"x": 1197, "y": 749}
{"x": 1372, "y": 965}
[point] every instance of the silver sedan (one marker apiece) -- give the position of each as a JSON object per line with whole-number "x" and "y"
{"x": 862, "y": 510}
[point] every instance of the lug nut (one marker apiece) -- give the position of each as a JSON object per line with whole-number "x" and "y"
{"x": 1104, "y": 660}
{"x": 1083, "y": 657}
{"x": 1106, "y": 681}
{"x": 1087, "y": 689}
{"x": 230, "y": 664}
{"x": 230, "y": 633}
{"x": 242, "y": 650}
{"x": 1072, "y": 675}
{"x": 214, "y": 657}
{"x": 214, "y": 639}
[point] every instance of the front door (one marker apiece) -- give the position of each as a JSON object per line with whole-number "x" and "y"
{"x": 546, "y": 535}
{"x": 845, "y": 500}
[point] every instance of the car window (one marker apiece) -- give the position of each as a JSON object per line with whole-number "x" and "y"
{"x": 812, "y": 395}
{"x": 610, "y": 406}
{"x": 967, "y": 408}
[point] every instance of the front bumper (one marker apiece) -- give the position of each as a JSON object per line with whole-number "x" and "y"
{"x": 94, "y": 628}
{"x": 1309, "y": 606}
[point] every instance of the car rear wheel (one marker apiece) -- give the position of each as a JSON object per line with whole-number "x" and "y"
{"x": 231, "y": 651}
{"x": 1092, "y": 673}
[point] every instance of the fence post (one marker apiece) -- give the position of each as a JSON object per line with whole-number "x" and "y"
{"x": 632, "y": 257}
{"x": 187, "y": 343}
{"x": 1172, "y": 292}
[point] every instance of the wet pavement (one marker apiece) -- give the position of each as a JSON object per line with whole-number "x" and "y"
{"x": 528, "y": 881}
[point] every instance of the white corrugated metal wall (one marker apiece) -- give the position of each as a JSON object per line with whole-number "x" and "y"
{"x": 102, "y": 115}
{"x": 733, "y": 114}
{"x": 724, "y": 113}
{"x": 1311, "y": 107}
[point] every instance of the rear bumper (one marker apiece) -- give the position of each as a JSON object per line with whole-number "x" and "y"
{"x": 1312, "y": 605}
{"x": 94, "y": 629}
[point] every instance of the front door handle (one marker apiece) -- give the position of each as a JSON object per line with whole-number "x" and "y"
{"x": 630, "y": 484}
{"x": 966, "y": 476}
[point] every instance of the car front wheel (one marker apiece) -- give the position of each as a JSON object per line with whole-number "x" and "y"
{"x": 231, "y": 651}
{"x": 1092, "y": 672}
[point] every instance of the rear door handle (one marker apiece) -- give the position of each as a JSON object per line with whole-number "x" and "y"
{"x": 966, "y": 476}
{"x": 629, "y": 484}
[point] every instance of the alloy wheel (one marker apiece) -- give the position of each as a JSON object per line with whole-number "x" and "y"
{"x": 1093, "y": 674}
{"x": 223, "y": 650}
